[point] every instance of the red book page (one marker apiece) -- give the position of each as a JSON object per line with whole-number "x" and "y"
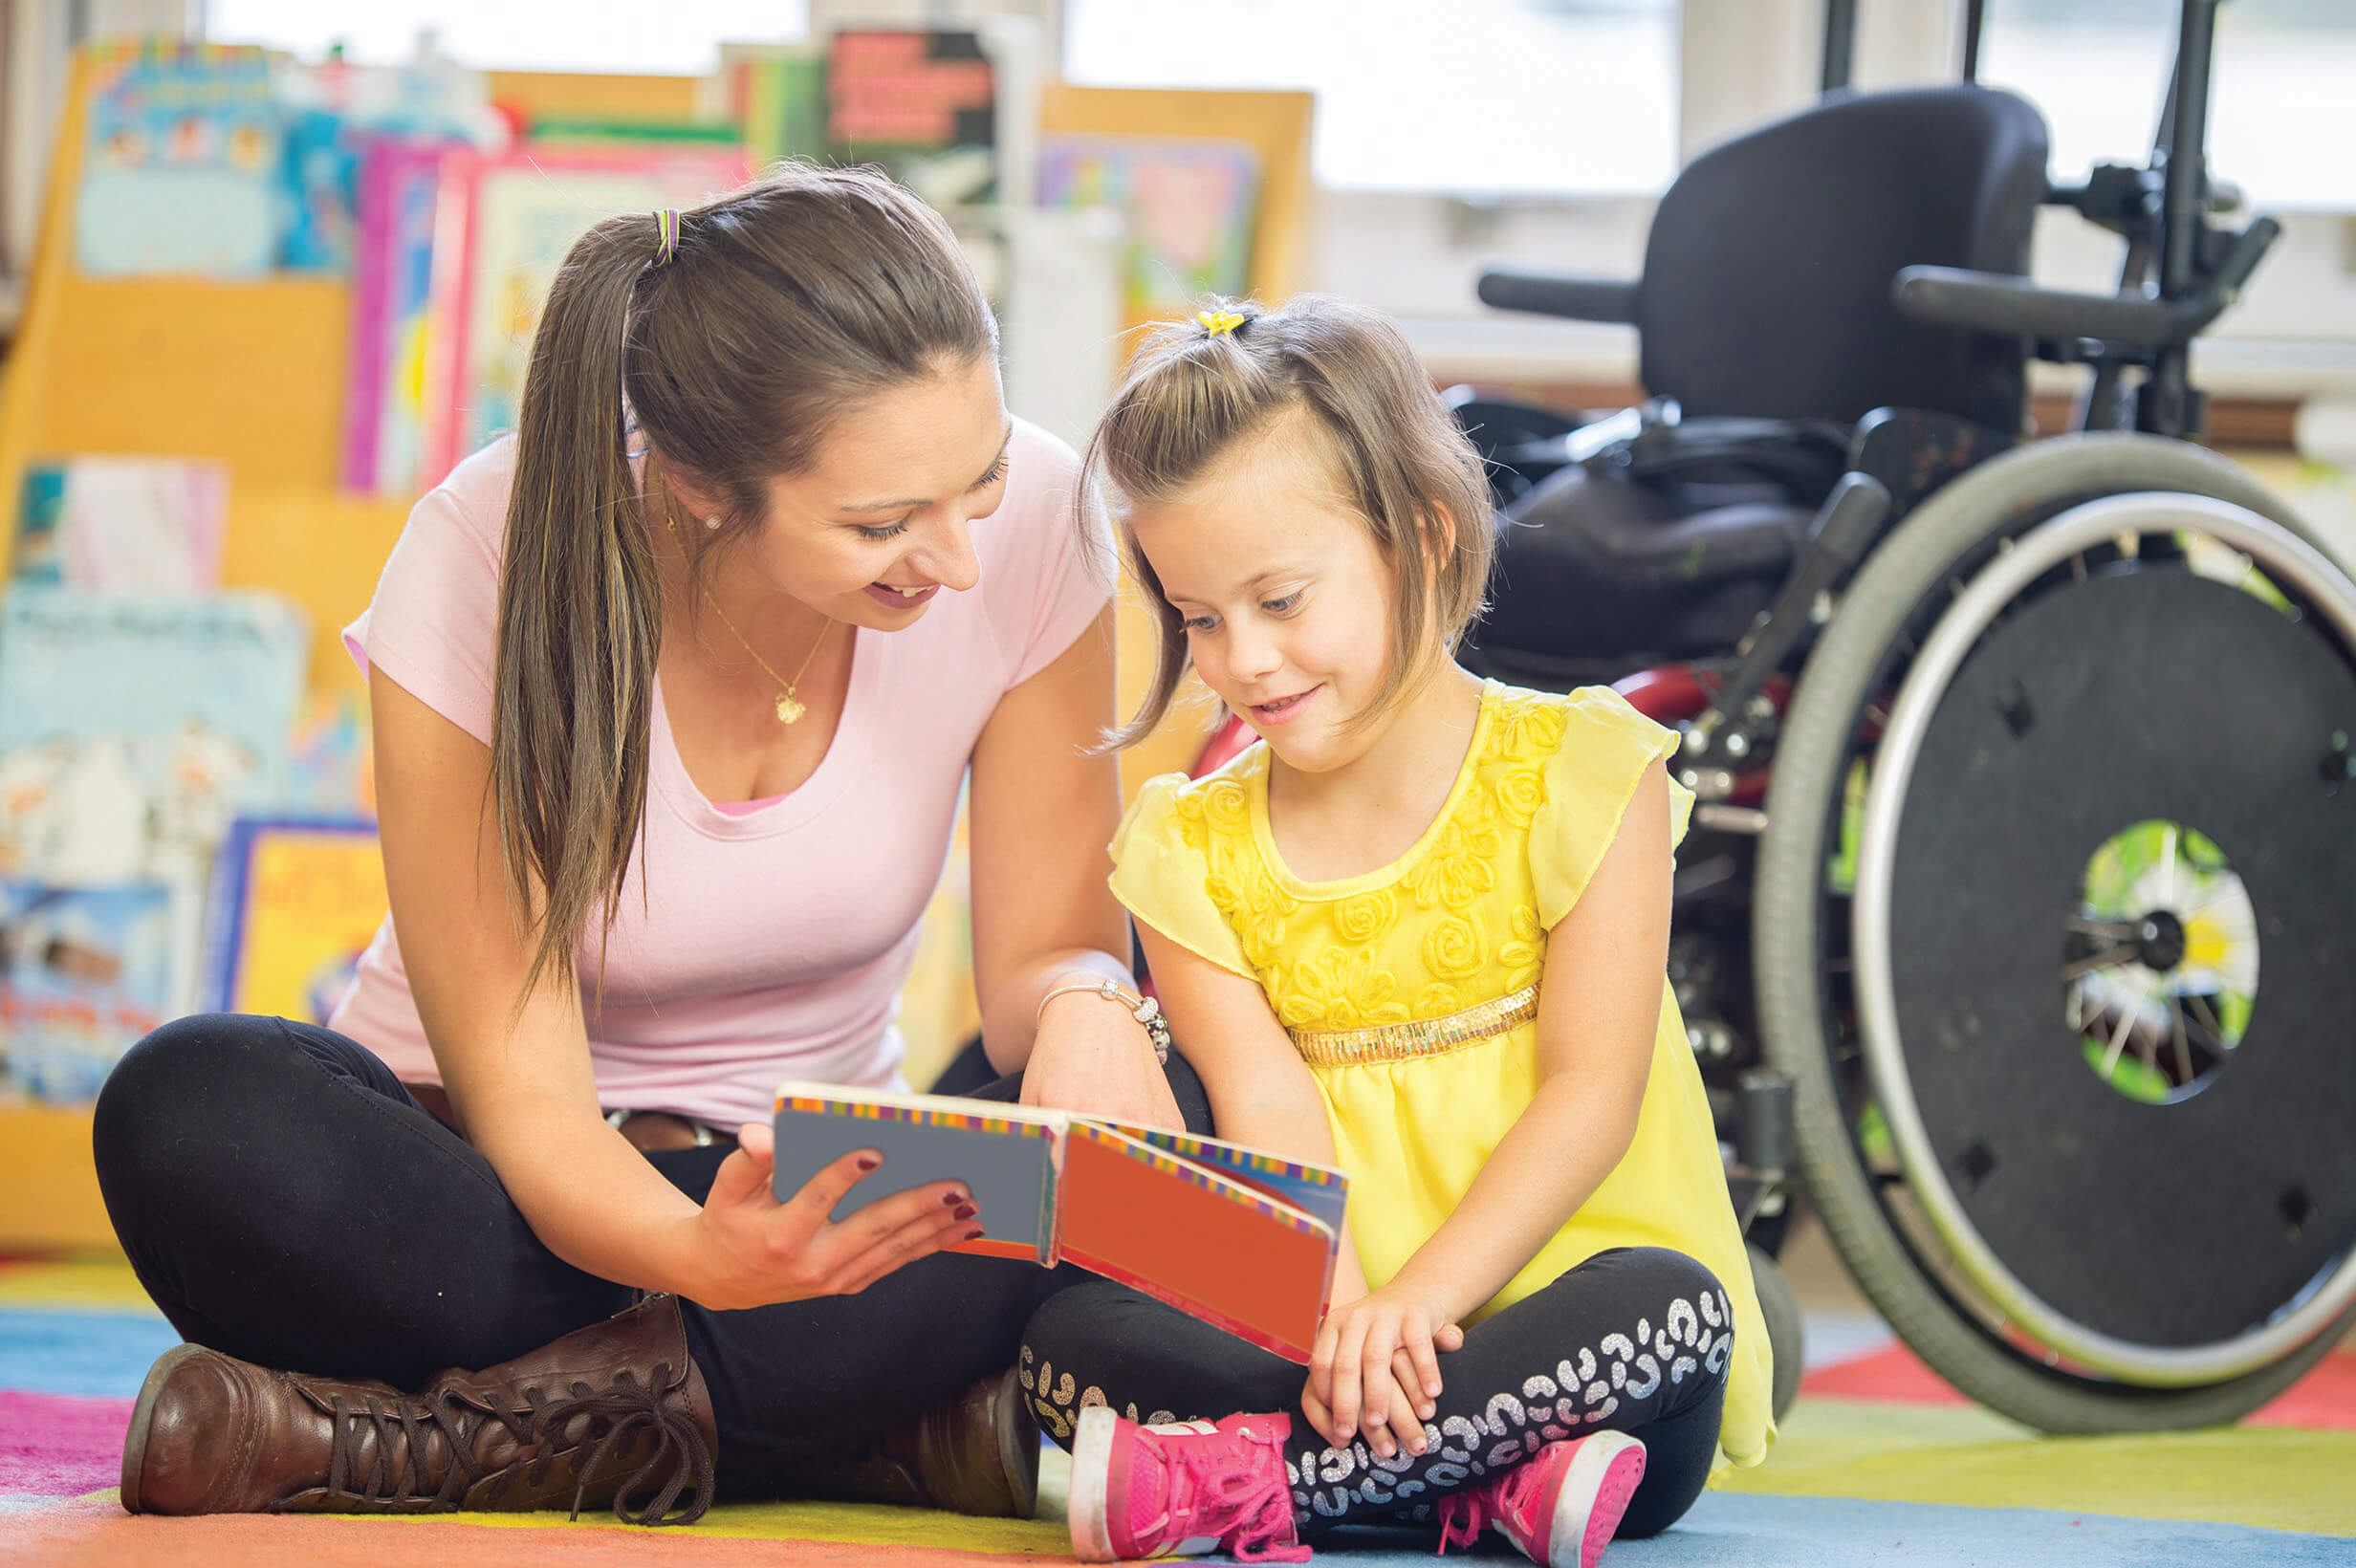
{"x": 1129, "y": 1214}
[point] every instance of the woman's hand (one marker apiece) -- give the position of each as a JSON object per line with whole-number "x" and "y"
{"x": 758, "y": 1252}
{"x": 1093, "y": 1057}
{"x": 1374, "y": 1369}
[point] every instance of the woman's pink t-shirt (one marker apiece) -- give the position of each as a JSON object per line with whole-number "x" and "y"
{"x": 753, "y": 945}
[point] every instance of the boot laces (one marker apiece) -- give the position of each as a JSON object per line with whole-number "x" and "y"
{"x": 1231, "y": 1483}
{"x": 616, "y": 1414}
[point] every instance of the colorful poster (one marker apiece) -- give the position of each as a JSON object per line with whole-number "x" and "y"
{"x": 1189, "y": 206}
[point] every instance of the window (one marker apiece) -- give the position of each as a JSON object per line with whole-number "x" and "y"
{"x": 678, "y": 38}
{"x": 2282, "y": 100}
{"x": 1474, "y": 96}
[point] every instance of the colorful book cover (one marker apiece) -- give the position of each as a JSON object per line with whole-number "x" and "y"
{"x": 921, "y": 105}
{"x": 294, "y": 903}
{"x": 776, "y": 94}
{"x": 392, "y": 282}
{"x": 183, "y": 171}
{"x": 1190, "y": 203}
{"x": 85, "y": 973}
{"x": 146, "y": 525}
{"x": 134, "y": 729}
{"x": 504, "y": 227}
{"x": 1237, "y": 1237}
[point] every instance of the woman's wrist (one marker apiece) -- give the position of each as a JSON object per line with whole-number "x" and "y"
{"x": 1144, "y": 1010}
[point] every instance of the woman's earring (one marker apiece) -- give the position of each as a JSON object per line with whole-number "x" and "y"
{"x": 712, "y": 521}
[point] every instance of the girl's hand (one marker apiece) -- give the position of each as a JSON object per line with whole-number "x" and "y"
{"x": 753, "y": 1250}
{"x": 1374, "y": 1369}
{"x": 1092, "y": 1058}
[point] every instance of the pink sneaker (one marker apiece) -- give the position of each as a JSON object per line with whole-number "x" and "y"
{"x": 1559, "y": 1506}
{"x": 1183, "y": 1490}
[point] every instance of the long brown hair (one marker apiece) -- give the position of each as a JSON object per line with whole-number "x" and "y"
{"x": 784, "y": 304}
{"x": 1192, "y": 394}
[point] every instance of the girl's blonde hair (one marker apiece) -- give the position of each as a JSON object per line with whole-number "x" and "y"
{"x": 1196, "y": 390}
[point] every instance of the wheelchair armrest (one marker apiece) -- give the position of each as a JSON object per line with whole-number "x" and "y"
{"x": 1549, "y": 294}
{"x": 2014, "y": 307}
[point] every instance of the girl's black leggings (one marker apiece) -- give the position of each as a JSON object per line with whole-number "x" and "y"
{"x": 287, "y": 1201}
{"x": 1634, "y": 1340}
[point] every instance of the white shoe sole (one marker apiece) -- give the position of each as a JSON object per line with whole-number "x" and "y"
{"x": 1595, "y": 1493}
{"x": 1092, "y": 1464}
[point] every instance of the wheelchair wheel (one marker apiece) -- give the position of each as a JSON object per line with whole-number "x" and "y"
{"x": 2052, "y": 925}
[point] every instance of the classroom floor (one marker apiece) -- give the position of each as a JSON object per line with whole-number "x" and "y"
{"x": 1878, "y": 1464}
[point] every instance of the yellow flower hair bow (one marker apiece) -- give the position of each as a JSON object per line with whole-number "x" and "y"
{"x": 1217, "y": 322}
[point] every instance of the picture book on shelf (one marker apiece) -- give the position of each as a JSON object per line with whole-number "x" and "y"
{"x": 134, "y": 729}
{"x": 182, "y": 172}
{"x": 502, "y": 227}
{"x": 85, "y": 973}
{"x": 392, "y": 296}
{"x": 147, "y": 525}
{"x": 1190, "y": 204}
{"x": 923, "y": 105}
{"x": 1242, "y": 1239}
{"x": 294, "y": 903}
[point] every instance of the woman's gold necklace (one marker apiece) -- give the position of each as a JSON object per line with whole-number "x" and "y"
{"x": 790, "y": 708}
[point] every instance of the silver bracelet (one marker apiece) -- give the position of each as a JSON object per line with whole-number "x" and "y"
{"x": 1145, "y": 1009}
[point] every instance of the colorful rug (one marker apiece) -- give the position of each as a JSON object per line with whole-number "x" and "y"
{"x": 1880, "y": 1462}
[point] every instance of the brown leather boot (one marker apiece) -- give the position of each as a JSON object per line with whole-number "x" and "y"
{"x": 976, "y": 1453}
{"x": 594, "y": 1418}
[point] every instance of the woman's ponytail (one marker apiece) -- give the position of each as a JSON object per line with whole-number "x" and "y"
{"x": 580, "y": 615}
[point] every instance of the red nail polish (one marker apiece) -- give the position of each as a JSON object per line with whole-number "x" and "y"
{"x": 965, "y": 1212}
{"x": 973, "y": 1235}
{"x": 950, "y": 1200}
{"x": 868, "y": 1161}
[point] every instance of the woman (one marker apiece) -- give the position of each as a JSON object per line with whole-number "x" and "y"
{"x": 673, "y": 692}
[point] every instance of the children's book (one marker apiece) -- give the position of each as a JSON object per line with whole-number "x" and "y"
{"x": 775, "y": 96}
{"x": 1190, "y": 203}
{"x": 921, "y": 105}
{"x": 502, "y": 228}
{"x": 182, "y": 168}
{"x": 85, "y": 973}
{"x": 1242, "y": 1239}
{"x": 392, "y": 293}
{"x": 134, "y": 729}
{"x": 147, "y": 525}
{"x": 294, "y": 903}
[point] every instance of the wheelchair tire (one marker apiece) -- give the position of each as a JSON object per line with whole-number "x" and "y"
{"x": 1786, "y": 1328}
{"x": 1801, "y": 920}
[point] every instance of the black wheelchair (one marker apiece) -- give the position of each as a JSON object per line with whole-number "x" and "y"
{"x": 2019, "y": 913}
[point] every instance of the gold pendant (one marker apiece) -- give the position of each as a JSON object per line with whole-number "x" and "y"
{"x": 788, "y": 708}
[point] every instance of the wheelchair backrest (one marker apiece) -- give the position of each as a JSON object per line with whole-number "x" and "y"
{"x": 1767, "y": 277}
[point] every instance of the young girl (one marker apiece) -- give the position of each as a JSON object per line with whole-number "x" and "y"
{"x": 1418, "y": 931}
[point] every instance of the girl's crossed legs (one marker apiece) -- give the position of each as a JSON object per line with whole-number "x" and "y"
{"x": 1634, "y": 1340}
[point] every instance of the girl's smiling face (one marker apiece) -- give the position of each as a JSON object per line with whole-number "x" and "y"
{"x": 1286, "y": 596}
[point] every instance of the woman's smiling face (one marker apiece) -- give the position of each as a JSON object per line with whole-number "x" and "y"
{"x": 873, "y": 529}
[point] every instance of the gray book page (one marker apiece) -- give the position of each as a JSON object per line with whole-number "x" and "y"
{"x": 1010, "y": 1172}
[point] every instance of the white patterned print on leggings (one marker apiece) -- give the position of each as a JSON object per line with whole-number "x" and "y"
{"x": 1584, "y": 1392}
{"x": 1058, "y": 1410}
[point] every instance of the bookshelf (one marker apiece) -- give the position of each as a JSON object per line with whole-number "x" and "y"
{"x": 254, "y": 373}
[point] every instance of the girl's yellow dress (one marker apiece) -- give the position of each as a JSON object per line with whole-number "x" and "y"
{"x": 1455, "y": 930}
